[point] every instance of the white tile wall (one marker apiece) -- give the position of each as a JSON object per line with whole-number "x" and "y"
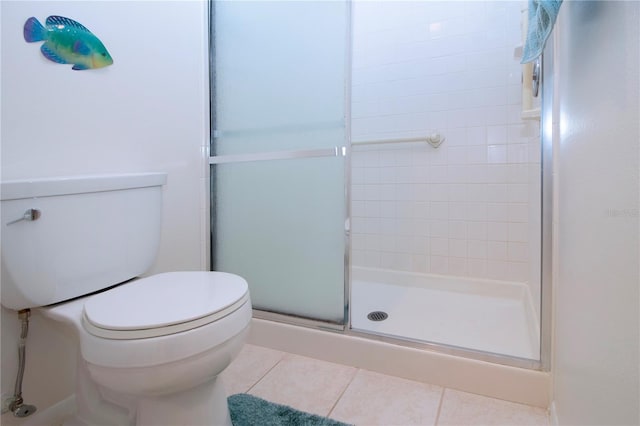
{"x": 470, "y": 207}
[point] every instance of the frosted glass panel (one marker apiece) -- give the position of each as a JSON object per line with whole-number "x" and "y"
{"x": 279, "y": 75}
{"x": 280, "y": 225}
{"x": 279, "y": 86}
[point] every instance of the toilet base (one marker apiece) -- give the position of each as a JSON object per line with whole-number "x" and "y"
{"x": 156, "y": 396}
{"x": 204, "y": 404}
{"x": 94, "y": 406}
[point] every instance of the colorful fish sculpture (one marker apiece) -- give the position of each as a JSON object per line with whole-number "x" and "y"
{"x": 67, "y": 42}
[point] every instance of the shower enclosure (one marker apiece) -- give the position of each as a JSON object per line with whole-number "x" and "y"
{"x": 327, "y": 197}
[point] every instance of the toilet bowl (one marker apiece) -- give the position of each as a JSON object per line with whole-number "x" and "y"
{"x": 168, "y": 334}
{"x": 150, "y": 349}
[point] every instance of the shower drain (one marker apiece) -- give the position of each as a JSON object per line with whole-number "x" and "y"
{"x": 378, "y": 316}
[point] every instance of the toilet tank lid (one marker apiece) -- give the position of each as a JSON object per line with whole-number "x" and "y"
{"x": 65, "y": 185}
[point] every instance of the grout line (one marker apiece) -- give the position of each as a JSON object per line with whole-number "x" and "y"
{"x": 266, "y": 372}
{"x": 439, "y": 407}
{"x": 343, "y": 391}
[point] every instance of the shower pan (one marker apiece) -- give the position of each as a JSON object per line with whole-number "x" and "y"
{"x": 374, "y": 172}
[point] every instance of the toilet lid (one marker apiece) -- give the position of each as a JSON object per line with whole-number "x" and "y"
{"x": 163, "y": 304}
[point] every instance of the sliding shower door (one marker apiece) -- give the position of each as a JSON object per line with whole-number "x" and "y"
{"x": 278, "y": 152}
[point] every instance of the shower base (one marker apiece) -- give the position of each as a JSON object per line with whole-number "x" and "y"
{"x": 479, "y": 314}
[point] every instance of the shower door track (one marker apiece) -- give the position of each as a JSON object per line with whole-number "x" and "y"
{"x": 295, "y": 320}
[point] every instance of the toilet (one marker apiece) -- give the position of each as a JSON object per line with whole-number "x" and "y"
{"x": 150, "y": 349}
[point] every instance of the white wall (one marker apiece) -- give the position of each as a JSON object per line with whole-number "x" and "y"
{"x": 472, "y": 206}
{"x": 597, "y": 286}
{"x": 146, "y": 112}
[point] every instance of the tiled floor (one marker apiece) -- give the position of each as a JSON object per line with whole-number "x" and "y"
{"x": 363, "y": 397}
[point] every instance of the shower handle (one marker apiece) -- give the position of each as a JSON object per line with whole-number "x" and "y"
{"x": 536, "y": 77}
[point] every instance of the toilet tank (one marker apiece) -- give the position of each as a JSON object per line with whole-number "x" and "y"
{"x": 91, "y": 232}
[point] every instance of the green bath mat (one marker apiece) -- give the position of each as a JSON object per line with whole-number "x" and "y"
{"x": 248, "y": 410}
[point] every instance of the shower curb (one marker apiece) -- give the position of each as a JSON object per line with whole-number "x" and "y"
{"x": 508, "y": 383}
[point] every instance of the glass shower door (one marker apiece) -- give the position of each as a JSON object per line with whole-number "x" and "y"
{"x": 278, "y": 152}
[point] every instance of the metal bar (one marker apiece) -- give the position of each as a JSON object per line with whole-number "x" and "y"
{"x": 549, "y": 136}
{"x": 300, "y": 321}
{"x": 348, "y": 70}
{"x": 278, "y": 129}
{"x": 389, "y": 140}
{"x": 277, "y": 155}
{"x": 495, "y": 358}
{"x": 213, "y": 123}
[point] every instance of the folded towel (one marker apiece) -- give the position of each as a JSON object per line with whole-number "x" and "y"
{"x": 542, "y": 17}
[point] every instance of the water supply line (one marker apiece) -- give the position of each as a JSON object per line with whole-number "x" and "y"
{"x": 16, "y": 403}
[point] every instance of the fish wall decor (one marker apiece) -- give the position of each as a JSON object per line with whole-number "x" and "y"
{"x": 67, "y": 42}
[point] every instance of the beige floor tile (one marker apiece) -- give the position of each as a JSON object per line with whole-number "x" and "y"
{"x": 306, "y": 384}
{"x": 377, "y": 399}
{"x": 461, "y": 408}
{"x": 251, "y": 364}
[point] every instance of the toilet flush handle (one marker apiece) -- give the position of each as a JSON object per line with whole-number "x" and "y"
{"x": 30, "y": 215}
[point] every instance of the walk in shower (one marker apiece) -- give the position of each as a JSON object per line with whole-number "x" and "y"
{"x": 376, "y": 170}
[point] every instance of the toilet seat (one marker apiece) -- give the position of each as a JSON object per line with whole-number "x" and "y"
{"x": 164, "y": 304}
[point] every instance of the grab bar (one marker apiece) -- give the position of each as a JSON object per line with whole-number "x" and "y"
{"x": 434, "y": 139}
